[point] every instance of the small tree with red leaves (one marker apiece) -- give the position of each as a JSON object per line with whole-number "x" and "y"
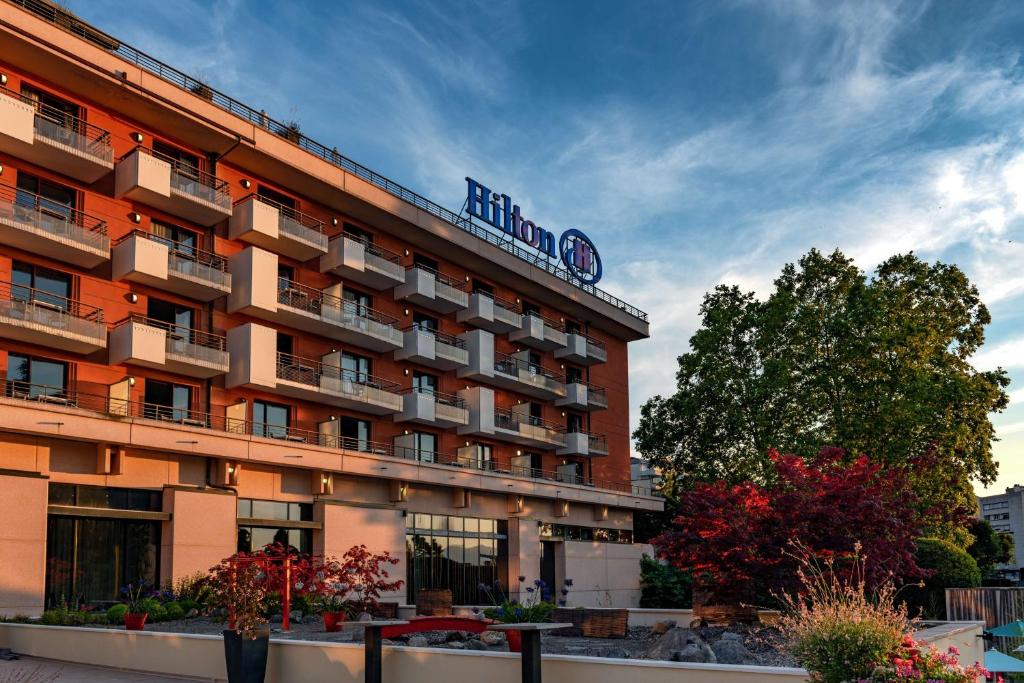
{"x": 733, "y": 538}
{"x": 354, "y": 583}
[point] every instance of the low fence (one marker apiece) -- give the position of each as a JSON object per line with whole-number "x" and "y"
{"x": 994, "y": 606}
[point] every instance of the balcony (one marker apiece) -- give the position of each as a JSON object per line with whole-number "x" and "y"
{"x": 583, "y": 350}
{"x": 580, "y": 396}
{"x": 428, "y": 288}
{"x": 278, "y": 228}
{"x": 433, "y": 349}
{"x": 582, "y": 443}
{"x": 53, "y": 139}
{"x": 256, "y": 363}
{"x": 323, "y": 312}
{"x": 167, "y": 184}
{"x": 432, "y": 408}
{"x": 138, "y": 340}
{"x": 363, "y": 262}
{"x": 37, "y": 317}
{"x": 515, "y": 425}
{"x": 539, "y": 332}
{"x": 40, "y": 226}
{"x": 172, "y": 266}
{"x": 512, "y": 372}
{"x": 490, "y": 313}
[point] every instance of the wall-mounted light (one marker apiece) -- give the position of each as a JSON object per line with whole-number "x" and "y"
{"x": 135, "y": 217}
{"x": 563, "y": 413}
{"x": 334, "y": 222}
{"x": 231, "y": 469}
{"x": 406, "y": 372}
{"x": 333, "y": 418}
{"x": 406, "y": 310}
{"x": 334, "y": 350}
{"x": 137, "y": 137}
{"x": 518, "y": 452}
{"x": 467, "y": 443}
{"x": 1, "y": 168}
{"x": 131, "y": 381}
{"x": 132, "y": 297}
{"x": 3, "y": 79}
{"x": 246, "y": 183}
{"x": 467, "y": 278}
{"x": 406, "y": 252}
{"x": 563, "y": 366}
{"x": 518, "y": 300}
{"x": 406, "y": 432}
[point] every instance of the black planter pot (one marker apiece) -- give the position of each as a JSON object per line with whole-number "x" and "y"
{"x": 246, "y": 658}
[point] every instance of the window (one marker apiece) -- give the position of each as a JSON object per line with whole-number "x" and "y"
{"x": 356, "y": 433}
{"x": 179, "y": 319}
{"x": 424, "y": 383}
{"x": 80, "y": 495}
{"x": 356, "y": 300}
{"x": 534, "y": 361}
{"x": 574, "y": 423}
{"x": 53, "y": 105}
{"x": 356, "y": 368}
{"x": 275, "y": 196}
{"x": 529, "y": 307}
{"x": 49, "y": 198}
{"x": 29, "y": 377}
{"x": 185, "y": 163}
{"x": 581, "y": 533}
{"x": 270, "y": 419}
{"x": 425, "y": 446}
{"x": 425, "y": 261}
{"x": 285, "y": 343}
{"x": 528, "y": 464}
{"x": 482, "y": 287}
{"x": 40, "y": 285}
{"x": 180, "y": 241}
{"x": 570, "y": 473}
{"x": 458, "y": 553}
{"x": 166, "y": 401}
{"x": 254, "y": 533}
{"x": 484, "y": 456}
{"x": 572, "y": 327}
{"x": 424, "y": 322}
{"x": 285, "y": 275}
{"x": 536, "y": 413}
{"x": 573, "y": 375}
{"x": 358, "y": 234}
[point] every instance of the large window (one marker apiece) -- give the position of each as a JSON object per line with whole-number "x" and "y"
{"x": 50, "y": 198}
{"x": 90, "y": 558}
{"x": 425, "y": 446}
{"x": 583, "y": 533}
{"x": 29, "y": 377}
{"x": 458, "y": 553}
{"x": 41, "y": 285}
{"x": 356, "y": 433}
{"x": 356, "y": 368}
{"x": 263, "y": 522}
{"x": 270, "y": 419}
{"x": 166, "y": 401}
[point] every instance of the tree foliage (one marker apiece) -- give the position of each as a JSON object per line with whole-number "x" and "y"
{"x": 946, "y": 566}
{"x": 878, "y": 365}
{"x": 989, "y": 547}
{"x": 737, "y": 539}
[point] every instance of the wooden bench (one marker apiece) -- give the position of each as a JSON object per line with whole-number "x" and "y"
{"x": 448, "y": 623}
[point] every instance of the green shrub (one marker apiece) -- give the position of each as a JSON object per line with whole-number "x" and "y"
{"x": 115, "y": 615}
{"x": 154, "y": 609}
{"x": 953, "y": 567}
{"x": 664, "y": 586}
{"x": 194, "y": 588}
{"x": 189, "y": 605}
{"x": 63, "y": 616}
{"x": 174, "y": 611}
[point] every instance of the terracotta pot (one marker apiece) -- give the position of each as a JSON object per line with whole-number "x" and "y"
{"x": 515, "y": 641}
{"x": 134, "y": 622}
{"x": 333, "y": 621}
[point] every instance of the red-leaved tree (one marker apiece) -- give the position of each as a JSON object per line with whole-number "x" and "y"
{"x": 736, "y": 540}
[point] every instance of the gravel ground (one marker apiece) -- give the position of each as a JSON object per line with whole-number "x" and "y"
{"x": 764, "y": 642}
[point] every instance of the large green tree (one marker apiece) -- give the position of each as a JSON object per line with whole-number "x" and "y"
{"x": 876, "y": 365}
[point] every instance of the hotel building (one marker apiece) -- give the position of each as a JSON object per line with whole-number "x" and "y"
{"x": 216, "y": 333}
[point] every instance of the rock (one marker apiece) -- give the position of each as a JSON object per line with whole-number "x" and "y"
{"x": 680, "y": 640}
{"x": 192, "y": 613}
{"x": 662, "y": 627}
{"x": 418, "y": 641}
{"x": 275, "y": 618}
{"x": 729, "y": 635}
{"x": 452, "y": 636}
{"x": 616, "y": 653}
{"x": 365, "y": 616}
{"x": 457, "y": 645}
{"x": 474, "y": 645}
{"x": 387, "y": 642}
{"x": 698, "y": 653}
{"x": 436, "y": 637}
{"x": 492, "y": 637}
{"x": 731, "y": 651}
{"x": 295, "y": 617}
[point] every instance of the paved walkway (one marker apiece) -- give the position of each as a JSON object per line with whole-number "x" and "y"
{"x": 29, "y": 670}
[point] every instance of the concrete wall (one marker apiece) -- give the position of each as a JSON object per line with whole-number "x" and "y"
{"x": 379, "y": 529}
{"x": 603, "y": 574}
{"x": 22, "y": 543}
{"x": 202, "y": 531}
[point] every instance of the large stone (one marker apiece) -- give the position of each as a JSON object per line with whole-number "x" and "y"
{"x": 617, "y": 653}
{"x": 680, "y": 640}
{"x": 474, "y": 644}
{"x": 492, "y": 637}
{"x": 418, "y": 641}
{"x": 729, "y": 635}
{"x": 731, "y": 651}
{"x": 663, "y": 627}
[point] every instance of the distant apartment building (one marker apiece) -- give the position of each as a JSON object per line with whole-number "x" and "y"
{"x": 1005, "y": 512}
{"x": 642, "y": 474}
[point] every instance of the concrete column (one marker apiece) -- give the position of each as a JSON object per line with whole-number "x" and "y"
{"x": 523, "y": 553}
{"x": 379, "y": 529}
{"x": 23, "y": 542}
{"x": 202, "y": 530}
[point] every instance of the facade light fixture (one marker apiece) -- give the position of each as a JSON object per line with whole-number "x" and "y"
{"x": 137, "y": 137}
{"x": 135, "y": 217}
{"x": 246, "y": 183}
{"x": 132, "y": 297}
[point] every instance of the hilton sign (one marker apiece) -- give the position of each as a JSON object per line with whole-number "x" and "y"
{"x": 574, "y": 248}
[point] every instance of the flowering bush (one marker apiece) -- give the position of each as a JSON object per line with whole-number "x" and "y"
{"x": 240, "y": 585}
{"x": 913, "y": 662}
{"x": 353, "y": 584}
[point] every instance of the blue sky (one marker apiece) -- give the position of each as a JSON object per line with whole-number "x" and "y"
{"x": 697, "y": 143}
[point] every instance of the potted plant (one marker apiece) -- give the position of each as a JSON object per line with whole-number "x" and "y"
{"x": 349, "y": 587}
{"x": 535, "y": 608}
{"x": 240, "y": 587}
{"x": 135, "y": 597}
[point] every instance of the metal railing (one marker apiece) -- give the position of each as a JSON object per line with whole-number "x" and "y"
{"x": 188, "y": 261}
{"x": 331, "y": 155}
{"x": 332, "y": 308}
{"x": 192, "y": 344}
{"x": 59, "y": 313}
{"x": 65, "y": 129}
{"x": 217, "y": 420}
{"x": 294, "y": 223}
{"x": 511, "y": 420}
{"x": 596, "y": 394}
{"x": 554, "y": 324}
{"x": 590, "y": 341}
{"x": 439, "y": 337}
{"x": 505, "y": 304}
{"x": 58, "y": 220}
{"x": 374, "y": 249}
{"x": 192, "y": 181}
{"x": 438, "y": 396}
{"x": 441, "y": 278}
{"x": 312, "y": 372}
{"x": 510, "y": 365}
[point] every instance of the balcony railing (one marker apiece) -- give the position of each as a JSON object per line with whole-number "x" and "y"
{"x": 505, "y": 418}
{"x": 194, "y": 182}
{"x": 596, "y": 394}
{"x": 293, "y": 223}
{"x": 375, "y": 250}
{"x": 217, "y": 421}
{"x": 331, "y": 308}
{"x": 556, "y": 325}
{"x": 55, "y": 219}
{"x": 188, "y": 261}
{"x": 510, "y": 365}
{"x": 505, "y": 305}
{"x": 42, "y": 308}
{"x": 311, "y": 372}
{"x": 185, "y": 342}
{"x": 439, "y": 397}
{"x": 440, "y": 278}
{"x": 66, "y": 130}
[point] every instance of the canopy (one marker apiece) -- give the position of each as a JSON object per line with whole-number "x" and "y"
{"x": 997, "y": 662}
{"x": 1015, "y": 629}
